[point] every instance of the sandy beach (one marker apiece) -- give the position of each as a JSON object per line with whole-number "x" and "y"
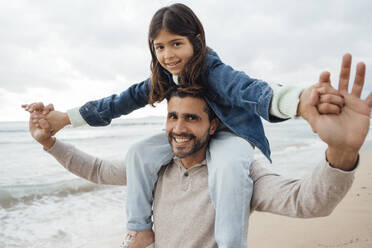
{"x": 350, "y": 224}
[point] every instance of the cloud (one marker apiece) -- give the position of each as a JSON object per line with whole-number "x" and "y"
{"x": 100, "y": 47}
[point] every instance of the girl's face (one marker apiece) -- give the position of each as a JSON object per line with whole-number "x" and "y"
{"x": 172, "y": 51}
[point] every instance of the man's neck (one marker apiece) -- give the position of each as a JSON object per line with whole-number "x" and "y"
{"x": 194, "y": 159}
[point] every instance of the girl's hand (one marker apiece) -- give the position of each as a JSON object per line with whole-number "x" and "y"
{"x": 38, "y": 107}
{"x": 42, "y": 134}
{"x": 56, "y": 119}
{"x": 328, "y": 100}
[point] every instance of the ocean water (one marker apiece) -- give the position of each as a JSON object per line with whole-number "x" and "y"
{"x": 43, "y": 205}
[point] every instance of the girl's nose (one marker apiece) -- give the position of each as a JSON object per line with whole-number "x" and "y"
{"x": 168, "y": 53}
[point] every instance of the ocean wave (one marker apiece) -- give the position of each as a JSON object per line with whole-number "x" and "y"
{"x": 99, "y": 137}
{"x": 138, "y": 124}
{"x": 27, "y": 194}
{"x": 14, "y": 131}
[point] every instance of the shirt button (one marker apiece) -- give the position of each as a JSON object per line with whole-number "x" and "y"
{"x": 186, "y": 174}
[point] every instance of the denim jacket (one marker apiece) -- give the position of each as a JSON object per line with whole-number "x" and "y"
{"x": 237, "y": 100}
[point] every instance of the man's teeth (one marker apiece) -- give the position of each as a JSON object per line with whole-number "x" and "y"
{"x": 179, "y": 140}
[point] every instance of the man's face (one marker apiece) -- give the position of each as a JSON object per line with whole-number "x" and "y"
{"x": 188, "y": 126}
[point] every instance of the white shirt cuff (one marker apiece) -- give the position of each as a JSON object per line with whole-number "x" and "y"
{"x": 75, "y": 117}
{"x": 285, "y": 101}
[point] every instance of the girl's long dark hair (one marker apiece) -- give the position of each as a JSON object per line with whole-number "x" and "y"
{"x": 181, "y": 20}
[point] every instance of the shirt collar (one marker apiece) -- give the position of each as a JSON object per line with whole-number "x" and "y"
{"x": 175, "y": 79}
{"x": 178, "y": 162}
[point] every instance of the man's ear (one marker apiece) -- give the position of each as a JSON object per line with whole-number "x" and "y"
{"x": 214, "y": 125}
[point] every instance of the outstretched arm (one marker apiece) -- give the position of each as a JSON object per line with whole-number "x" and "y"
{"x": 318, "y": 194}
{"x": 89, "y": 167}
{"x": 79, "y": 163}
{"x": 313, "y": 196}
{"x": 95, "y": 113}
{"x": 271, "y": 102}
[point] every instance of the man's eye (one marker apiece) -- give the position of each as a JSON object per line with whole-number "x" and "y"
{"x": 159, "y": 48}
{"x": 191, "y": 118}
{"x": 172, "y": 117}
{"x": 176, "y": 44}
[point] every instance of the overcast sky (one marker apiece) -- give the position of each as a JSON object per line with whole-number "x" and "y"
{"x": 67, "y": 52}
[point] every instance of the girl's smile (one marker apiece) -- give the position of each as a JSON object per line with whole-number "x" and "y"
{"x": 172, "y": 51}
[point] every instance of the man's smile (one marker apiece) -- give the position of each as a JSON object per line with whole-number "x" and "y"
{"x": 181, "y": 140}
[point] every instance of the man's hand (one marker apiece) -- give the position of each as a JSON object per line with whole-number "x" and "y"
{"x": 38, "y": 107}
{"x": 330, "y": 100}
{"x": 344, "y": 133}
{"x": 57, "y": 120}
{"x": 41, "y": 133}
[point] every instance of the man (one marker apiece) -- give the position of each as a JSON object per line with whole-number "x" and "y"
{"x": 181, "y": 194}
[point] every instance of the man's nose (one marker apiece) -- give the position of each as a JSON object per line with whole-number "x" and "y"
{"x": 179, "y": 127}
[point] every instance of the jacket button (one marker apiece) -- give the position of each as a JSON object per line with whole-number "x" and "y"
{"x": 186, "y": 174}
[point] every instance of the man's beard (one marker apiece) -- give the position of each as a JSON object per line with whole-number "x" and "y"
{"x": 198, "y": 144}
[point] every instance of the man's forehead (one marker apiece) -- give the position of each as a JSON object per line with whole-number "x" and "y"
{"x": 186, "y": 104}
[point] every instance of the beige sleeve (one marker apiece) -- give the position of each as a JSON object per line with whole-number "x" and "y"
{"x": 75, "y": 117}
{"x": 285, "y": 101}
{"x": 87, "y": 166}
{"x": 314, "y": 196}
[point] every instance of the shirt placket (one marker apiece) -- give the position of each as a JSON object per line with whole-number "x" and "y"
{"x": 186, "y": 180}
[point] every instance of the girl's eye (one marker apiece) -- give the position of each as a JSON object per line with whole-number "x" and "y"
{"x": 176, "y": 44}
{"x": 158, "y": 47}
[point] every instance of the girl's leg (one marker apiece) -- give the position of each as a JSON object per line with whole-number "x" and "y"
{"x": 144, "y": 160}
{"x": 228, "y": 159}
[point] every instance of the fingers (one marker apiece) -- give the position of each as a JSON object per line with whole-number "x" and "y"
{"x": 369, "y": 100}
{"x": 345, "y": 73}
{"x": 326, "y": 108}
{"x": 314, "y": 97}
{"x": 35, "y": 118}
{"x": 44, "y": 124}
{"x": 359, "y": 79}
{"x": 37, "y": 106}
{"x": 25, "y": 106}
{"x": 312, "y": 113}
{"x": 325, "y": 77}
{"x": 327, "y": 89}
{"x": 332, "y": 99}
{"x": 48, "y": 108}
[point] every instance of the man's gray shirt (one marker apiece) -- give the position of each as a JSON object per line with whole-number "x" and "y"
{"x": 183, "y": 210}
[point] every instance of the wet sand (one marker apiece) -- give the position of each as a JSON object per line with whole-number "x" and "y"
{"x": 350, "y": 224}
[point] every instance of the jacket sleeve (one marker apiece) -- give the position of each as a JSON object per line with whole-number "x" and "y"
{"x": 101, "y": 112}
{"x": 235, "y": 88}
{"x": 87, "y": 166}
{"x": 314, "y": 196}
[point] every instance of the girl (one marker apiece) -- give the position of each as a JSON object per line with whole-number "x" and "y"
{"x": 181, "y": 58}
